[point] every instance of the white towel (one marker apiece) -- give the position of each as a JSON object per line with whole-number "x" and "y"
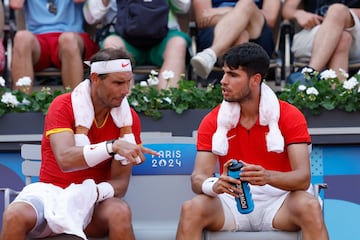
{"x": 228, "y": 117}
{"x": 66, "y": 210}
{"x": 84, "y": 115}
{"x": 269, "y": 113}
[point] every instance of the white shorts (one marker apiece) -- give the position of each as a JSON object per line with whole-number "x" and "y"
{"x": 267, "y": 202}
{"x": 303, "y": 41}
{"x": 41, "y": 228}
{"x": 54, "y": 207}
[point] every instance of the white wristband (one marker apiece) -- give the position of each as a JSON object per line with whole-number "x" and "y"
{"x": 207, "y": 186}
{"x": 105, "y": 191}
{"x": 95, "y": 153}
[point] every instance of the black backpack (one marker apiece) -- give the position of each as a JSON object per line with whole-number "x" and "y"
{"x": 143, "y": 23}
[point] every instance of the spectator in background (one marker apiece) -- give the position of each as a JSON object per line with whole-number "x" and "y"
{"x": 169, "y": 53}
{"x": 54, "y": 37}
{"x": 225, "y": 23}
{"x": 330, "y": 34}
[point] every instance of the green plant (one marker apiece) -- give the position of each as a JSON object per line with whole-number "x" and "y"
{"x": 143, "y": 98}
{"x": 148, "y": 99}
{"x": 18, "y": 101}
{"x": 324, "y": 91}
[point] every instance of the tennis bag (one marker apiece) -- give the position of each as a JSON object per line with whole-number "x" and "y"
{"x": 143, "y": 23}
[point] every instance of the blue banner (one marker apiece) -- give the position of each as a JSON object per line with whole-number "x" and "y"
{"x": 175, "y": 158}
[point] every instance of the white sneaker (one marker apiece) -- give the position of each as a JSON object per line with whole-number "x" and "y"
{"x": 203, "y": 62}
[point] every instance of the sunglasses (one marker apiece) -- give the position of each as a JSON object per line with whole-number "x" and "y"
{"x": 52, "y": 6}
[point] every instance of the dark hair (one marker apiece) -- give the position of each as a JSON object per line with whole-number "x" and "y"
{"x": 110, "y": 54}
{"x": 251, "y": 57}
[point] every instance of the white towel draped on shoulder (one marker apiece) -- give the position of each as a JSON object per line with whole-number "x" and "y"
{"x": 228, "y": 117}
{"x": 269, "y": 114}
{"x": 84, "y": 115}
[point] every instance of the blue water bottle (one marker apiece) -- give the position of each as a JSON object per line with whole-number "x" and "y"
{"x": 244, "y": 202}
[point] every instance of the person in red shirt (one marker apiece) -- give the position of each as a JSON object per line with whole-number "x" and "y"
{"x": 80, "y": 156}
{"x": 270, "y": 137}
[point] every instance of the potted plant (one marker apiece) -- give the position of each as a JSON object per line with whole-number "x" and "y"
{"x": 323, "y": 94}
{"x": 324, "y": 99}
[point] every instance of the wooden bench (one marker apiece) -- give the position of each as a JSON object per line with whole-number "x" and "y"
{"x": 157, "y": 190}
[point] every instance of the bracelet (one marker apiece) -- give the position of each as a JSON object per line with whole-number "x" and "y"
{"x": 109, "y": 147}
{"x": 207, "y": 186}
{"x": 105, "y": 191}
{"x": 95, "y": 153}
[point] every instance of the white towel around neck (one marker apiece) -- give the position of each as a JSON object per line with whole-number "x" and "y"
{"x": 269, "y": 114}
{"x": 84, "y": 114}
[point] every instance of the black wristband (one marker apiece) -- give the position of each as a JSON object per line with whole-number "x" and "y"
{"x": 109, "y": 147}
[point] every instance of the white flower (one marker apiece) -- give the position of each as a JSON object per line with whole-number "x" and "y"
{"x": 301, "y": 87}
{"x": 307, "y": 70}
{"x": 135, "y": 103}
{"x": 154, "y": 73}
{"x": 168, "y": 100}
{"x": 24, "y": 82}
{"x": 2, "y": 82}
{"x": 146, "y": 99}
{"x": 153, "y": 81}
{"x": 143, "y": 84}
{"x": 9, "y": 99}
{"x": 312, "y": 90}
{"x": 328, "y": 74}
{"x": 344, "y": 73}
{"x": 25, "y": 102}
{"x": 167, "y": 74}
{"x": 350, "y": 84}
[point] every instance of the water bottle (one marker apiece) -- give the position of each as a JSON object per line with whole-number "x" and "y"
{"x": 244, "y": 202}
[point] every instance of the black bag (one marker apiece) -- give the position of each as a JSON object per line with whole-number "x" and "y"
{"x": 143, "y": 23}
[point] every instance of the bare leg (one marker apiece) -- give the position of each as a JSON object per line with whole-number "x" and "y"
{"x": 71, "y": 47}
{"x": 197, "y": 214}
{"x": 249, "y": 21}
{"x": 174, "y": 60}
{"x": 113, "y": 42}
{"x": 328, "y": 46}
{"x": 18, "y": 219}
{"x": 26, "y": 53}
{"x": 302, "y": 211}
{"x": 111, "y": 217}
{"x": 247, "y": 17}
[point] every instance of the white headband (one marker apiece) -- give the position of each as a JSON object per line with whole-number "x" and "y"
{"x": 111, "y": 66}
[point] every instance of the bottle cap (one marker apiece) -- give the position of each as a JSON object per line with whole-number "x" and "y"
{"x": 235, "y": 165}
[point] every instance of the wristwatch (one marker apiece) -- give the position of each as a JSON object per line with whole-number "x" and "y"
{"x": 109, "y": 147}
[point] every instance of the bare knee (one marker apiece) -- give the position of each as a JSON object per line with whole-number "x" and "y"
{"x": 70, "y": 43}
{"x": 114, "y": 211}
{"x": 337, "y": 13}
{"x": 121, "y": 211}
{"x": 23, "y": 41}
{"x": 308, "y": 211}
{"x": 314, "y": 210}
{"x": 189, "y": 207}
{"x": 19, "y": 217}
{"x": 245, "y": 5}
{"x": 113, "y": 41}
{"x": 196, "y": 209}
